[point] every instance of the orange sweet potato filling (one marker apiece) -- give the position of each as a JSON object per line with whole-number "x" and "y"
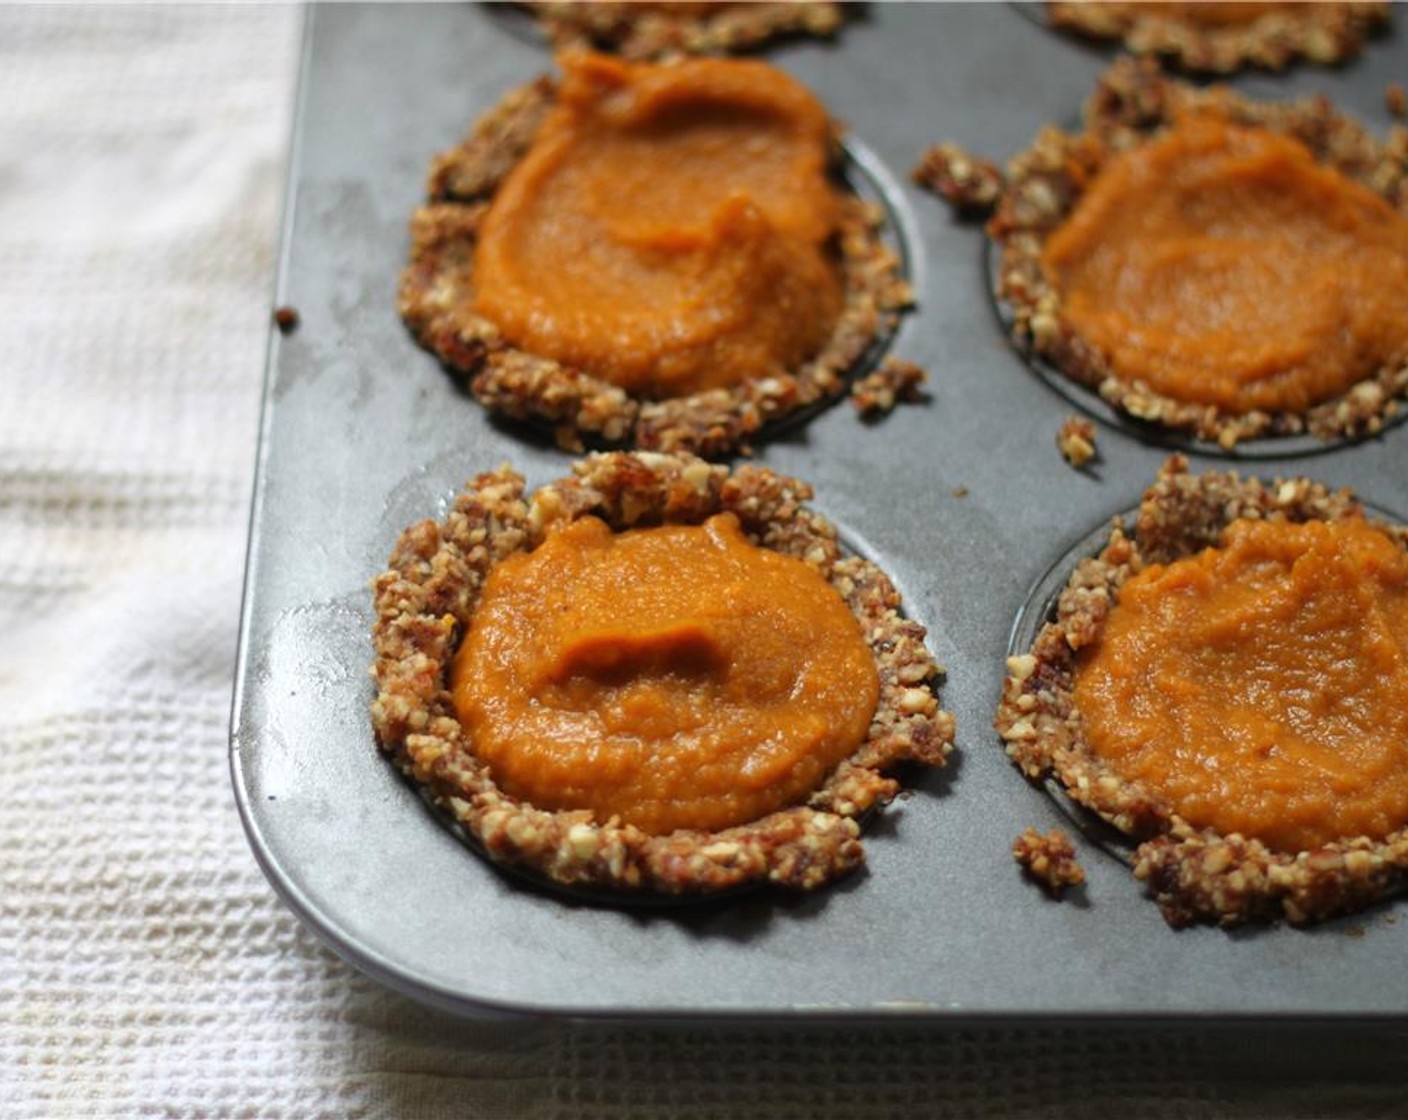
{"x": 675, "y": 677}
{"x": 1259, "y": 687}
{"x": 1222, "y": 265}
{"x": 670, "y": 229}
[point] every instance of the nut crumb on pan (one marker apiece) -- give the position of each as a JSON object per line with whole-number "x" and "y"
{"x": 1396, "y": 100}
{"x": 960, "y": 491}
{"x": 1194, "y": 874}
{"x": 426, "y": 600}
{"x": 645, "y": 31}
{"x": 892, "y": 382}
{"x": 1076, "y": 441}
{"x": 436, "y": 300}
{"x": 1133, "y": 104}
{"x": 1321, "y": 32}
{"x": 1050, "y": 859}
{"x": 965, "y": 181}
{"x": 286, "y": 319}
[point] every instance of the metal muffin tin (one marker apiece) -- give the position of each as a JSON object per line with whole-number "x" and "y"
{"x": 963, "y": 500}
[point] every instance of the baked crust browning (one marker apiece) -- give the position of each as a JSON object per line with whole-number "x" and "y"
{"x": 1134, "y": 103}
{"x": 640, "y": 33}
{"x": 437, "y": 294}
{"x": 1195, "y": 875}
{"x": 1325, "y": 33}
{"x": 426, "y": 600}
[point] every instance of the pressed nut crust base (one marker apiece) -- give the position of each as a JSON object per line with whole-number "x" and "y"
{"x": 1326, "y": 33}
{"x": 1132, "y": 104}
{"x": 427, "y": 599}
{"x": 437, "y": 294}
{"x": 646, "y": 34}
{"x": 1194, "y": 874}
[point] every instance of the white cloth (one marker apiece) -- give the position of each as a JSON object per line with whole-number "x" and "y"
{"x": 146, "y": 968}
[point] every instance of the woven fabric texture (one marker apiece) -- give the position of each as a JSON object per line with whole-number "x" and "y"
{"x": 146, "y": 968}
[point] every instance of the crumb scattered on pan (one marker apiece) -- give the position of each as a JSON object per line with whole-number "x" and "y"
{"x": 965, "y": 181}
{"x": 426, "y": 600}
{"x": 1396, "y": 100}
{"x": 1195, "y": 875}
{"x": 890, "y": 383}
{"x": 960, "y": 491}
{"x": 437, "y": 294}
{"x": 1076, "y": 441}
{"x": 1050, "y": 859}
{"x": 286, "y": 319}
{"x": 645, "y": 31}
{"x": 1133, "y": 103}
{"x": 1322, "y": 32}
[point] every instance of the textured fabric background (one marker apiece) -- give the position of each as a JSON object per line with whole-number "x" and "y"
{"x": 146, "y": 969}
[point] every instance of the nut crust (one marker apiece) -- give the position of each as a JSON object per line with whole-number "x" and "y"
{"x": 1132, "y": 104}
{"x": 1195, "y": 875}
{"x": 426, "y": 600}
{"x": 1326, "y": 33}
{"x": 640, "y": 35}
{"x": 437, "y": 292}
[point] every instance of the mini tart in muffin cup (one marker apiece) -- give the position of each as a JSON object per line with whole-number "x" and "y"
{"x": 1326, "y": 33}
{"x": 426, "y": 601}
{"x": 1195, "y": 874}
{"x": 437, "y": 295}
{"x": 644, "y": 31}
{"x": 1134, "y": 103}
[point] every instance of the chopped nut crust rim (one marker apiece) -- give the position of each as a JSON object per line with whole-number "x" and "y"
{"x": 614, "y": 26}
{"x": 436, "y": 295}
{"x": 1326, "y": 33}
{"x": 1131, "y": 104}
{"x": 1195, "y": 875}
{"x": 426, "y": 600}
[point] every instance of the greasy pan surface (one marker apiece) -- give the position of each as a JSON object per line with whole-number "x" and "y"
{"x": 364, "y": 434}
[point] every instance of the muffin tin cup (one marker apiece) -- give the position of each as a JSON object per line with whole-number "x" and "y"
{"x": 1039, "y": 608}
{"x": 1088, "y": 401}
